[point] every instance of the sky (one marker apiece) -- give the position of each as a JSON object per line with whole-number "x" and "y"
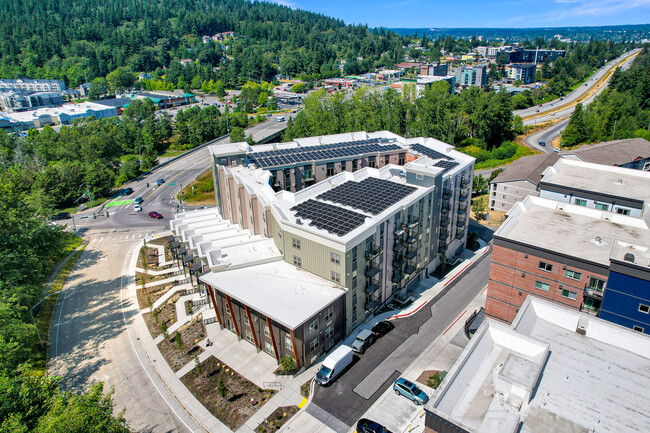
{"x": 479, "y": 13}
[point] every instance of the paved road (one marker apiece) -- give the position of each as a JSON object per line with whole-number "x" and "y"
{"x": 576, "y": 94}
{"x": 346, "y": 400}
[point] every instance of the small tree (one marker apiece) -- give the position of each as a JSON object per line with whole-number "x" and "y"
{"x": 179, "y": 341}
{"x": 237, "y": 135}
{"x": 163, "y": 329}
{"x": 221, "y": 388}
{"x": 250, "y": 140}
{"x": 287, "y": 363}
{"x": 478, "y": 207}
{"x": 197, "y": 364}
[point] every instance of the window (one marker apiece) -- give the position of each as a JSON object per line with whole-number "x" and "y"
{"x": 354, "y": 282}
{"x": 505, "y": 196}
{"x": 329, "y": 345}
{"x": 246, "y": 320}
{"x": 354, "y": 312}
{"x": 268, "y": 348}
{"x": 545, "y": 266}
{"x": 307, "y": 172}
{"x": 644, "y": 308}
{"x": 569, "y": 294}
{"x": 297, "y": 261}
{"x": 336, "y": 277}
{"x": 343, "y": 165}
{"x": 266, "y": 331}
{"x": 638, "y": 328}
{"x": 249, "y": 337}
{"x": 313, "y": 325}
{"x": 623, "y": 211}
{"x": 505, "y": 188}
{"x": 574, "y": 275}
{"x": 329, "y": 331}
{"x": 401, "y": 159}
{"x": 419, "y": 176}
{"x": 354, "y": 299}
{"x": 602, "y": 206}
{"x": 287, "y": 342}
{"x": 335, "y": 258}
{"x": 329, "y": 169}
{"x": 580, "y": 202}
{"x": 387, "y": 159}
{"x": 354, "y": 165}
{"x": 313, "y": 345}
{"x": 329, "y": 313}
{"x": 371, "y": 161}
{"x": 542, "y": 286}
{"x": 596, "y": 284}
{"x": 296, "y": 243}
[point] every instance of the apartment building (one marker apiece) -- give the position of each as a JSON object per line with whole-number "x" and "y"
{"x": 468, "y": 76}
{"x": 366, "y": 215}
{"x": 522, "y": 177}
{"x": 553, "y": 370}
{"x": 521, "y": 71}
{"x": 24, "y": 100}
{"x": 33, "y": 85}
{"x": 434, "y": 69}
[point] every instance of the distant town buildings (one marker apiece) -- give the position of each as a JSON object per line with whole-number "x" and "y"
{"x": 63, "y": 115}
{"x": 162, "y": 99}
{"x": 521, "y": 71}
{"x": 435, "y": 69}
{"x": 219, "y": 37}
{"x": 553, "y": 370}
{"x": 24, "y": 100}
{"x": 315, "y": 235}
{"x": 472, "y": 76}
{"x": 32, "y": 85}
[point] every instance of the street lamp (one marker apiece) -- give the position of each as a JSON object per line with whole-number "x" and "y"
{"x": 87, "y": 192}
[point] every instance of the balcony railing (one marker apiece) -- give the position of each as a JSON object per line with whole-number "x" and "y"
{"x": 371, "y": 288}
{"x": 398, "y": 262}
{"x": 411, "y": 240}
{"x": 442, "y": 248}
{"x": 397, "y": 277}
{"x": 460, "y": 234}
{"x": 594, "y": 293}
{"x": 371, "y": 271}
{"x": 463, "y": 197}
{"x": 445, "y": 208}
{"x": 371, "y": 303}
{"x": 399, "y": 246}
{"x": 413, "y": 223}
{"x": 444, "y": 221}
{"x": 409, "y": 269}
{"x": 372, "y": 254}
{"x": 443, "y": 234}
{"x": 399, "y": 231}
{"x": 410, "y": 254}
{"x": 446, "y": 194}
{"x": 464, "y": 183}
{"x": 461, "y": 222}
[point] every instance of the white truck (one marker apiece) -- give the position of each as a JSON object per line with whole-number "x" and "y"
{"x": 334, "y": 365}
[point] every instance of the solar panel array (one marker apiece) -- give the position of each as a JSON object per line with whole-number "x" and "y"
{"x": 371, "y": 195}
{"x": 447, "y": 165}
{"x": 429, "y": 152}
{"x": 297, "y": 155}
{"x": 328, "y": 217}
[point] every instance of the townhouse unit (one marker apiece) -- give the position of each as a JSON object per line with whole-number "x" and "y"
{"x": 552, "y": 370}
{"x": 33, "y": 85}
{"x": 362, "y": 216}
{"x": 468, "y": 76}
{"x": 521, "y": 71}
{"x": 522, "y": 177}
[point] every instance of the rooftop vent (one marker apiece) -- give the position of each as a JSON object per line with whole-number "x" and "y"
{"x": 629, "y": 257}
{"x": 620, "y": 182}
{"x": 599, "y": 239}
{"x": 298, "y": 221}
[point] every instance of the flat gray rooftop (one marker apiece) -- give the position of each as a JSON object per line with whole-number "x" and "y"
{"x": 615, "y": 181}
{"x": 569, "y": 229}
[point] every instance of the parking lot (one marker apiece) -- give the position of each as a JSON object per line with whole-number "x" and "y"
{"x": 341, "y": 404}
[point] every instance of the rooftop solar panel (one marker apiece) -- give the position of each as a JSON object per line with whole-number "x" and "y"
{"x": 429, "y": 152}
{"x": 328, "y": 217}
{"x": 371, "y": 195}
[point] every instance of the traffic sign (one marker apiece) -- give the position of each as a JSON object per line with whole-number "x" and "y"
{"x": 172, "y": 184}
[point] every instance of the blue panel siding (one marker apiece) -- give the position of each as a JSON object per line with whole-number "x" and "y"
{"x": 622, "y": 298}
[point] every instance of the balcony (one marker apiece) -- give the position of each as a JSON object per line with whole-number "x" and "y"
{"x": 409, "y": 269}
{"x": 593, "y": 292}
{"x": 445, "y": 208}
{"x": 442, "y": 248}
{"x": 444, "y": 221}
{"x": 371, "y": 303}
{"x": 371, "y": 271}
{"x": 460, "y": 234}
{"x": 399, "y": 231}
{"x": 399, "y": 246}
{"x": 461, "y": 222}
{"x": 464, "y": 183}
{"x": 410, "y": 254}
{"x": 397, "y": 277}
{"x": 463, "y": 197}
{"x": 398, "y": 262}
{"x": 411, "y": 240}
{"x": 413, "y": 223}
{"x": 371, "y": 288}
{"x": 446, "y": 194}
{"x": 443, "y": 234}
{"x": 374, "y": 253}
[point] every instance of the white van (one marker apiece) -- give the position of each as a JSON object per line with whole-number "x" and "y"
{"x": 281, "y": 119}
{"x": 334, "y": 365}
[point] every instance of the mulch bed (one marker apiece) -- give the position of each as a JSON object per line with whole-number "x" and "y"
{"x": 277, "y": 419}
{"x": 166, "y": 314}
{"x": 304, "y": 389}
{"x": 150, "y": 278}
{"x": 177, "y": 357}
{"x": 242, "y": 397}
{"x": 164, "y": 241}
{"x": 426, "y": 378}
{"x": 154, "y": 293}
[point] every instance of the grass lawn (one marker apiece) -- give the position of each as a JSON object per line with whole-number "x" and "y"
{"x": 493, "y": 163}
{"x": 495, "y": 218}
{"x": 96, "y": 203}
{"x": 172, "y": 153}
{"x": 202, "y": 192}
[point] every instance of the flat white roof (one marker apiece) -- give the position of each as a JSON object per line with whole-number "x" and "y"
{"x": 283, "y": 292}
{"x": 587, "y": 375}
{"x": 66, "y": 109}
{"x": 576, "y": 231}
{"x": 605, "y": 179}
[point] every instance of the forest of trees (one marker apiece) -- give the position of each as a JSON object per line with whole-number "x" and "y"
{"x": 84, "y": 40}
{"x": 621, "y": 111}
{"x": 475, "y": 117}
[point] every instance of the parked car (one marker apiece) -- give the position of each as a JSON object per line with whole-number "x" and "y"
{"x": 561, "y": 99}
{"x": 542, "y": 143}
{"x": 138, "y": 200}
{"x": 127, "y": 191}
{"x": 410, "y": 390}
{"x": 156, "y": 215}
{"x": 160, "y": 182}
{"x": 335, "y": 363}
{"x": 556, "y": 150}
{"x": 382, "y": 328}
{"x": 60, "y": 216}
{"x": 281, "y": 119}
{"x": 540, "y": 105}
{"x": 138, "y": 208}
{"x": 364, "y": 340}
{"x": 366, "y": 426}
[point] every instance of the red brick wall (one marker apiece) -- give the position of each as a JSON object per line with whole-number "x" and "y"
{"x": 507, "y": 288}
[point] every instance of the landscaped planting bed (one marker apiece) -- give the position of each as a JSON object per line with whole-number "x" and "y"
{"x": 177, "y": 352}
{"x": 277, "y": 419}
{"x": 151, "y": 294}
{"x": 165, "y": 240}
{"x": 166, "y": 314}
{"x": 227, "y": 395}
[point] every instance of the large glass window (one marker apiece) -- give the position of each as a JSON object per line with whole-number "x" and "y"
{"x": 596, "y": 284}
{"x": 542, "y": 286}
{"x": 545, "y": 266}
{"x": 574, "y": 275}
{"x": 313, "y": 345}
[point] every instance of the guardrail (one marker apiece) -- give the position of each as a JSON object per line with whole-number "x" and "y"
{"x": 272, "y": 385}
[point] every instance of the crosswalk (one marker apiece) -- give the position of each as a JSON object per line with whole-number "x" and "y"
{"x": 116, "y": 238}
